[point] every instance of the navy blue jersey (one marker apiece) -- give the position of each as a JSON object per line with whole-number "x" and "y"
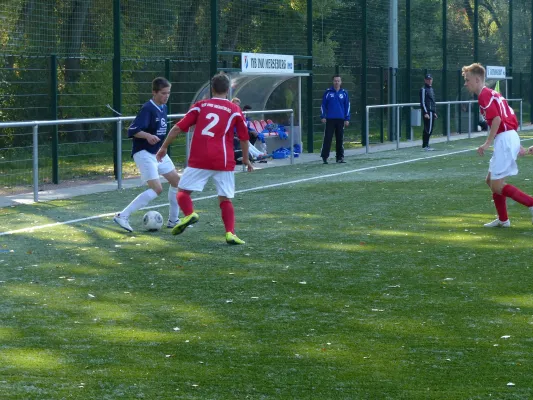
{"x": 152, "y": 119}
{"x": 335, "y": 105}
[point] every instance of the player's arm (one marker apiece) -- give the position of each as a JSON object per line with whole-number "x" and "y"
{"x": 323, "y": 108}
{"x": 242, "y": 134}
{"x": 245, "y": 157}
{"x": 152, "y": 139}
{"x": 174, "y": 132}
{"x": 492, "y": 134}
{"x": 182, "y": 126}
{"x": 347, "y": 108}
{"x": 139, "y": 125}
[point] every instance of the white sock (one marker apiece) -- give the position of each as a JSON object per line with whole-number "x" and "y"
{"x": 174, "y": 208}
{"x": 139, "y": 202}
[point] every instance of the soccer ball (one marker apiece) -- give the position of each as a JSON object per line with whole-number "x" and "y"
{"x": 152, "y": 221}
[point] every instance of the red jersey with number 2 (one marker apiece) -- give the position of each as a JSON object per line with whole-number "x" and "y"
{"x": 212, "y": 140}
{"x": 492, "y": 105}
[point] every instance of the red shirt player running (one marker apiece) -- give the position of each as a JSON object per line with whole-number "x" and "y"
{"x": 211, "y": 154}
{"x": 503, "y": 124}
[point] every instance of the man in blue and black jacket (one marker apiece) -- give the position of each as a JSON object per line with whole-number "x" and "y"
{"x": 335, "y": 113}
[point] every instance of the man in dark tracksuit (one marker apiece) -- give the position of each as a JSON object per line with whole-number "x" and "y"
{"x": 428, "y": 106}
{"x": 335, "y": 113}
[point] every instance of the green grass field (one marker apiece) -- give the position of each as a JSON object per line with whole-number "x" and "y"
{"x": 377, "y": 284}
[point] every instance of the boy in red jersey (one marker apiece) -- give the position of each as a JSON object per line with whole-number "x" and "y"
{"x": 503, "y": 124}
{"x": 211, "y": 154}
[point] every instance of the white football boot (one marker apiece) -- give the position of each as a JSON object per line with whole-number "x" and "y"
{"x": 497, "y": 223}
{"x": 123, "y": 222}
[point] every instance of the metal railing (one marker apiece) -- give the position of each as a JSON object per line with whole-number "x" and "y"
{"x": 118, "y": 133}
{"x": 397, "y": 108}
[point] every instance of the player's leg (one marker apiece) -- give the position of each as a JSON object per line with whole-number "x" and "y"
{"x": 225, "y": 184}
{"x": 517, "y": 195}
{"x": 503, "y": 164}
{"x": 500, "y": 202}
{"x": 192, "y": 180}
{"x": 328, "y": 138}
{"x": 167, "y": 169}
{"x": 147, "y": 165}
{"x": 508, "y": 146}
{"x": 339, "y": 141}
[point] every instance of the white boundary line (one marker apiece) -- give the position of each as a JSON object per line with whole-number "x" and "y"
{"x": 73, "y": 221}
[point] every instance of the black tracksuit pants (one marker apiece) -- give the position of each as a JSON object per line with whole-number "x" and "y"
{"x": 428, "y": 128}
{"x": 333, "y": 126}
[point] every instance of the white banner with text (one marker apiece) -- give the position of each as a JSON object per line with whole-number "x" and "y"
{"x": 495, "y": 72}
{"x": 267, "y": 63}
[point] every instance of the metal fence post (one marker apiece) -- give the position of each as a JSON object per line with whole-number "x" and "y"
{"x": 521, "y": 116}
{"x": 292, "y": 137}
{"x": 469, "y": 120}
{"x": 117, "y": 69}
{"x": 448, "y": 116}
{"x": 397, "y": 127}
{"x": 119, "y": 154}
{"x": 36, "y": 163}
{"x": 367, "y": 111}
{"x": 53, "y": 116}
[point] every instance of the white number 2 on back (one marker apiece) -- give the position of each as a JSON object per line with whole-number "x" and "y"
{"x": 215, "y": 118}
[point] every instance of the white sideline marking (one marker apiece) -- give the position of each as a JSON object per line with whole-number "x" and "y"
{"x": 73, "y": 221}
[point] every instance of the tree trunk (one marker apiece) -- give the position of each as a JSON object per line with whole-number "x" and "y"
{"x": 76, "y": 25}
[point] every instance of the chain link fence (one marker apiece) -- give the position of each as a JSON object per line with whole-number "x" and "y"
{"x": 57, "y": 61}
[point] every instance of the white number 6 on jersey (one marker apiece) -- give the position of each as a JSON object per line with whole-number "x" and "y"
{"x": 215, "y": 118}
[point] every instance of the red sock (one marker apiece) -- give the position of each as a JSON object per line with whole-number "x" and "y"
{"x": 500, "y": 201}
{"x": 517, "y": 195}
{"x": 185, "y": 202}
{"x": 228, "y": 215}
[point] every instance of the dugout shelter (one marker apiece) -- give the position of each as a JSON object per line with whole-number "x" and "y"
{"x": 256, "y": 81}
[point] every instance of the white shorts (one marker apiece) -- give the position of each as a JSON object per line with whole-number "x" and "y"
{"x": 503, "y": 161}
{"x": 148, "y": 166}
{"x": 194, "y": 179}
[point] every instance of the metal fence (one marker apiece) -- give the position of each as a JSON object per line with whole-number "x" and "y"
{"x": 113, "y": 155}
{"x": 396, "y": 120}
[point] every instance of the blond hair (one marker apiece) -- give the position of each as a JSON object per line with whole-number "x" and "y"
{"x": 475, "y": 69}
{"x": 235, "y": 100}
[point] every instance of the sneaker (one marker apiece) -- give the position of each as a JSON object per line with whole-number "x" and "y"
{"x": 341, "y": 161}
{"x": 172, "y": 224}
{"x": 231, "y": 238}
{"x": 325, "y": 160}
{"x": 497, "y": 223}
{"x": 184, "y": 223}
{"x": 430, "y": 149}
{"x": 123, "y": 222}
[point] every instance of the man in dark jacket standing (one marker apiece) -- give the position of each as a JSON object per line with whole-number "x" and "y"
{"x": 335, "y": 113}
{"x": 427, "y": 104}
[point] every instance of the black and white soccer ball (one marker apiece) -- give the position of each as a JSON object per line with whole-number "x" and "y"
{"x": 152, "y": 221}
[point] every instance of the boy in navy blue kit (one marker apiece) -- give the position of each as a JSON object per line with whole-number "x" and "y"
{"x": 148, "y": 131}
{"x": 335, "y": 113}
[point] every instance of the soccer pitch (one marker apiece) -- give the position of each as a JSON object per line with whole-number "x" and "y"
{"x": 373, "y": 279}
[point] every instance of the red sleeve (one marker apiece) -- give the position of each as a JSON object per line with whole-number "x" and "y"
{"x": 242, "y": 129}
{"x": 189, "y": 119}
{"x": 490, "y": 106}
